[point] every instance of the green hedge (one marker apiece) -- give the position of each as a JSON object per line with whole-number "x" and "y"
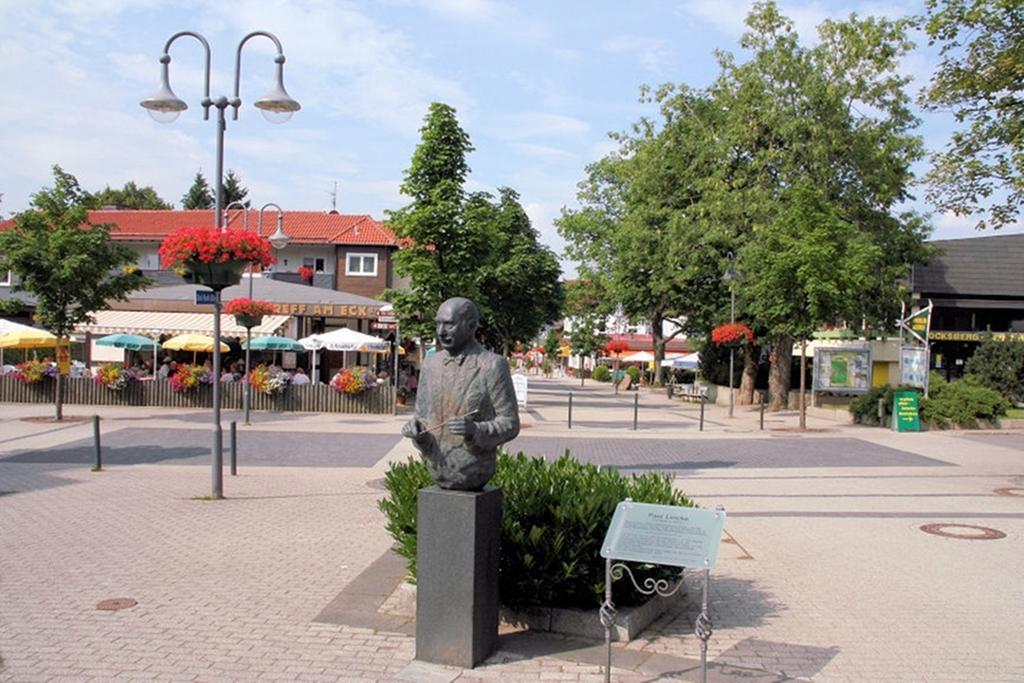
{"x": 554, "y": 519}
{"x": 601, "y": 374}
{"x": 962, "y": 403}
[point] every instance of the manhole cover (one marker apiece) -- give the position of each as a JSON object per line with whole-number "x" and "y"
{"x": 967, "y": 532}
{"x": 1010, "y": 491}
{"x": 114, "y": 604}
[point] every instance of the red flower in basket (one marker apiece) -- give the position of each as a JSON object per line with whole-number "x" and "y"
{"x": 732, "y": 333}
{"x": 306, "y": 273}
{"x": 253, "y": 308}
{"x": 210, "y": 245}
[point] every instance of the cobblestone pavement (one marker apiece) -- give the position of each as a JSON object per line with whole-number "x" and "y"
{"x": 825, "y": 573}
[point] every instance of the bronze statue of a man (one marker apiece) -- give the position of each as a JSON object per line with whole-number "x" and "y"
{"x": 465, "y": 404}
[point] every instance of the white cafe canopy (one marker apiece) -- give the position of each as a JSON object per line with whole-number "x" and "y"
{"x": 638, "y": 357}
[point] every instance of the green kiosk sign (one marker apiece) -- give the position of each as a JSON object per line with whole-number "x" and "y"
{"x": 905, "y": 411}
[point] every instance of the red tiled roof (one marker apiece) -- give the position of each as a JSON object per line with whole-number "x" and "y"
{"x": 303, "y": 227}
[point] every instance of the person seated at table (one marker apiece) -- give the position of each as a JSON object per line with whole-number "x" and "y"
{"x": 227, "y": 376}
{"x": 300, "y": 377}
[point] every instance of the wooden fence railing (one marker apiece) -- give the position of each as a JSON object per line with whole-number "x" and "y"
{"x": 309, "y": 398}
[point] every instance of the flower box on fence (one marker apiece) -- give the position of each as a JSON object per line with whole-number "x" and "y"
{"x": 307, "y": 398}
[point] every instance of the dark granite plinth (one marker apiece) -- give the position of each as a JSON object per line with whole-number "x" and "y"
{"x": 457, "y": 575}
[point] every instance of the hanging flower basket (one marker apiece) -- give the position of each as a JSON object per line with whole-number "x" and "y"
{"x": 215, "y": 259}
{"x": 248, "y": 312}
{"x": 306, "y": 273}
{"x": 732, "y": 334}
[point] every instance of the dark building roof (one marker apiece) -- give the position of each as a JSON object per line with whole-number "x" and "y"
{"x": 991, "y": 267}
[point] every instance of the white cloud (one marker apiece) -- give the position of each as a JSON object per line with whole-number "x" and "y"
{"x": 652, "y": 53}
{"x": 950, "y": 226}
{"x": 545, "y": 152}
{"x": 527, "y": 125}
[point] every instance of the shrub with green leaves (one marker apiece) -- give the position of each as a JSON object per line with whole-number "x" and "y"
{"x": 634, "y": 372}
{"x": 555, "y": 516}
{"x": 999, "y": 365}
{"x": 962, "y": 403}
{"x": 864, "y": 408}
{"x": 601, "y": 374}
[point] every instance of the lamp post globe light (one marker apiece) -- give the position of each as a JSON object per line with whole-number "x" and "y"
{"x": 164, "y": 106}
{"x": 279, "y": 240}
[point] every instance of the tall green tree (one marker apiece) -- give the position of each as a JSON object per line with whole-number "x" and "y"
{"x": 834, "y": 120}
{"x": 199, "y": 196}
{"x": 640, "y": 228}
{"x": 459, "y": 244}
{"x": 233, "y": 190}
{"x": 70, "y": 271}
{"x": 587, "y": 305}
{"x": 131, "y": 196}
{"x": 980, "y": 80}
{"x": 438, "y": 254}
{"x": 520, "y": 287}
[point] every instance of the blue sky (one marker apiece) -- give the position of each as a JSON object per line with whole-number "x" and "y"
{"x": 537, "y": 85}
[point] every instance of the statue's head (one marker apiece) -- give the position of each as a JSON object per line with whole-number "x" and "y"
{"x": 457, "y": 320}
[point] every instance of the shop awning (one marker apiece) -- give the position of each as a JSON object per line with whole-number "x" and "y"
{"x": 152, "y": 323}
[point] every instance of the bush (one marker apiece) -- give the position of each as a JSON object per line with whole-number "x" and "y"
{"x": 864, "y": 408}
{"x": 999, "y": 365}
{"x": 601, "y": 373}
{"x": 634, "y": 373}
{"x": 962, "y": 404}
{"x": 554, "y": 519}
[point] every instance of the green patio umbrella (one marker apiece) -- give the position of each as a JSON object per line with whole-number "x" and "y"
{"x": 275, "y": 344}
{"x": 132, "y": 342}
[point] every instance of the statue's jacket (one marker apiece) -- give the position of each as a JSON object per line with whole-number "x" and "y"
{"x": 478, "y": 382}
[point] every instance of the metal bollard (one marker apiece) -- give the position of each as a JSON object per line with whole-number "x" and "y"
{"x": 881, "y": 411}
{"x": 636, "y": 409}
{"x": 570, "y": 410}
{"x": 98, "y": 467}
{"x": 702, "y": 412}
{"x": 762, "y": 412}
{"x": 234, "y": 449}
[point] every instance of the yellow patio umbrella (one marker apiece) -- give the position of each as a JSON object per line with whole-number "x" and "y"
{"x": 193, "y": 342}
{"x": 28, "y": 339}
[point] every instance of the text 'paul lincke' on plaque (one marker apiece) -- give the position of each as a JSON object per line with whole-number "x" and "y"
{"x": 664, "y": 534}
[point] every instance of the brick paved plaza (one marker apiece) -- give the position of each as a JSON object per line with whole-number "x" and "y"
{"x": 824, "y": 575}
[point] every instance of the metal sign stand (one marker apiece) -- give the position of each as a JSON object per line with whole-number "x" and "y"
{"x": 614, "y": 570}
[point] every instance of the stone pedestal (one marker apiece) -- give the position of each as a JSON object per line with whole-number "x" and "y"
{"x": 457, "y": 575}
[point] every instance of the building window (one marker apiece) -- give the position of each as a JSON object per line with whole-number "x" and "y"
{"x": 317, "y": 264}
{"x": 361, "y": 264}
{"x": 6, "y": 279}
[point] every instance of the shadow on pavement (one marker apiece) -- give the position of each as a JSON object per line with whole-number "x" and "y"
{"x": 125, "y": 455}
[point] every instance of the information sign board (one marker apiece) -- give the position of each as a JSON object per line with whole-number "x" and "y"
{"x": 905, "y": 411}
{"x": 63, "y": 358}
{"x": 664, "y": 534}
{"x": 520, "y": 384}
{"x": 843, "y": 370}
{"x": 205, "y": 297}
{"x": 914, "y": 366}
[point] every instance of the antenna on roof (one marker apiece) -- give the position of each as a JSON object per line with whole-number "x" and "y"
{"x": 334, "y": 197}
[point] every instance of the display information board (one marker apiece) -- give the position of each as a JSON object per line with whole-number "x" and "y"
{"x": 914, "y": 366}
{"x": 521, "y": 386}
{"x": 842, "y": 370}
{"x": 664, "y": 534}
{"x": 906, "y": 411}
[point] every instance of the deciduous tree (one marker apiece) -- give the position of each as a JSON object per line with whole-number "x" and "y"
{"x": 131, "y": 196}
{"x": 71, "y": 271}
{"x": 980, "y": 80}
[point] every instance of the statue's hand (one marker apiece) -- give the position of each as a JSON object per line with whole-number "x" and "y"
{"x": 414, "y": 430}
{"x": 462, "y": 426}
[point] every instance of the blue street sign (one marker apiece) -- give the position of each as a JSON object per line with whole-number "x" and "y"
{"x": 205, "y": 297}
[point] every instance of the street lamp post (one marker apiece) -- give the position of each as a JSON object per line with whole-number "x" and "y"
{"x": 730, "y": 277}
{"x": 164, "y": 106}
{"x": 279, "y": 240}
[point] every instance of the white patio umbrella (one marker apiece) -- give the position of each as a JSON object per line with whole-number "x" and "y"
{"x": 344, "y": 339}
{"x": 689, "y": 361}
{"x": 638, "y": 357}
